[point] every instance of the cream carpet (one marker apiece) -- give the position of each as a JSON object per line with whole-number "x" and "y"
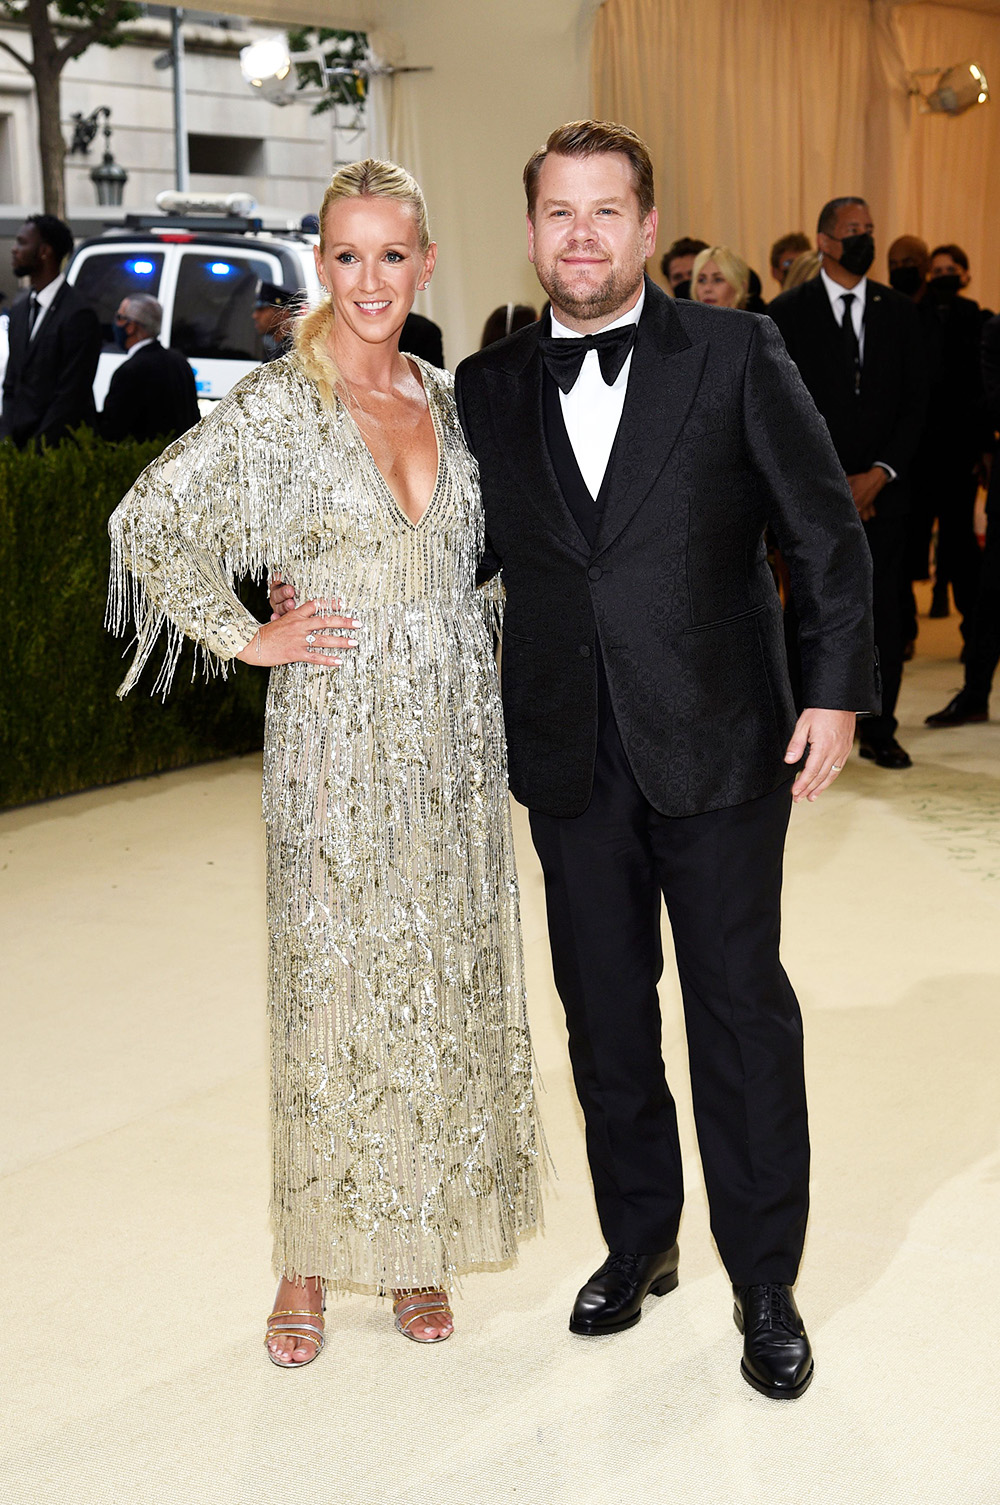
{"x": 134, "y": 1227}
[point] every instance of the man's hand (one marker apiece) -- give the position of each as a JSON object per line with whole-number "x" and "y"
{"x": 829, "y": 736}
{"x": 865, "y": 488}
{"x": 281, "y": 597}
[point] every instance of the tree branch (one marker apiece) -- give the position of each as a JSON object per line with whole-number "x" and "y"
{"x": 15, "y": 54}
{"x": 103, "y": 27}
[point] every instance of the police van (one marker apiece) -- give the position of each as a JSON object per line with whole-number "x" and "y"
{"x": 202, "y": 259}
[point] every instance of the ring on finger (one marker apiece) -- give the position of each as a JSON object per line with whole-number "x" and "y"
{"x": 310, "y": 638}
{"x": 838, "y": 767}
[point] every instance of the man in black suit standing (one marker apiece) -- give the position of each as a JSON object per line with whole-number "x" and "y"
{"x": 633, "y": 449}
{"x": 983, "y": 642}
{"x": 859, "y": 349}
{"x": 153, "y": 392}
{"x": 55, "y": 341}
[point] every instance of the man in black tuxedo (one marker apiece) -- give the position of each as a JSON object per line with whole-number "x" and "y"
{"x": 153, "y": 392}
{"x": 633, "y": 449}
{"x": 983, "y": 642}
{"x": 865, "y": 369}
{"x": 55, "y": 341}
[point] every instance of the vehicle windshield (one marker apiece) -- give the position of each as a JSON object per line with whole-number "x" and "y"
{"x": 213, "y": 302}
{"x": 106, "y": 277}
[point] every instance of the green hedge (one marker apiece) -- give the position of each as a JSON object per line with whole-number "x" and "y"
{"x": 61, "y": 726}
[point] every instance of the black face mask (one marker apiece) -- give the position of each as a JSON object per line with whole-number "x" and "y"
{"x": 906, "y": 280}
{"x": 857, "y": 252}
{"x": 682, "y": 289}
{"x": 943, "y": 289}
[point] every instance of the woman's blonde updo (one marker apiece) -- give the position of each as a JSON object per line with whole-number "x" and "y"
{"x": 372, "y": 179}
{"x": 369, "y": 179}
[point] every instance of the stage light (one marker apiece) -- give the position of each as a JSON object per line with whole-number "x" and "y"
{"x": 267, "y": 68}
{"x": 958, "y": 88}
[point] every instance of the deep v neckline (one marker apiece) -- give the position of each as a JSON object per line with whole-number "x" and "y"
{"x": 394, "y": 501}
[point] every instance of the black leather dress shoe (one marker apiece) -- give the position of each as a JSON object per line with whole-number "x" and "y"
{"x": 958, "y": 711}
{"x": 886, "y": 754}
{"x": 612, "y": 1298}
{"x": 777, "y": 1359}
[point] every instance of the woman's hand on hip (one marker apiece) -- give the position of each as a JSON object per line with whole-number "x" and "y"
{"x": 308, "y": 634}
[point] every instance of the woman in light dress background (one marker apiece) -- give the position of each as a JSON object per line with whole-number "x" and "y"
{"x": 404, "y": 1143}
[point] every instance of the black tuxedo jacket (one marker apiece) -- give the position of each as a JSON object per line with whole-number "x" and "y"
{"x": 883, "y": 422}
{"x": 48, "y": 388}
{"x": 718, "y": 440}
{"x": 151, "y": 393}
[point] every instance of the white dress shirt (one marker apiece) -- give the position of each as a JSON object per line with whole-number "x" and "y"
{"x": 43, "y": 301}
{"x": 592, "y": 410}
{"x": 138, "y": 346}
{"x": 835, "y": 293}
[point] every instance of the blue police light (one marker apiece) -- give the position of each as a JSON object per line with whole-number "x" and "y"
{"x": 140, "y": 268}
{"x": 220, "y": 269}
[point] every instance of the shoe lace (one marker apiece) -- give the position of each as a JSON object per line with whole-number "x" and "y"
{"x": 774, "y": 1308}
{"x": 627, "y": 1263}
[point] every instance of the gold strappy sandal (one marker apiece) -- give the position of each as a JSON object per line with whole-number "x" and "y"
{"x": 307, "y": 1331}
{"x": 407, "y": 1309}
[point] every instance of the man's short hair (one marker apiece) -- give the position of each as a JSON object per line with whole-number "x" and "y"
{"x": 797, "y": 241}
{"x": 828, "y": 213}
{"x": 144, "y": 310}
{"x": 956, "y": 253}
{"x": 53, "y": 232}
{"x": 591, "y": 138}
{"x": 685, "y": 246}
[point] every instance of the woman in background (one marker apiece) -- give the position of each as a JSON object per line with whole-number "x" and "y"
{"x": 403, "y": 1131}
{"x": 721, "y": 278}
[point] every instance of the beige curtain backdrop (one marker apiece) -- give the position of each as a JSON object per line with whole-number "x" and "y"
{"x": 757, "y": 113}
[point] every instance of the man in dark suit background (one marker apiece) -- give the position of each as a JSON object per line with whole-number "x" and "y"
{"x": 422, "y": 337}
{"x": 955, "y": 435}
{"x": 632, "y": 450}
{"x": 983, "y": 641}
{"x": 55, "y": 341}
{"x": 153, "y": 392}
{"x": 858, "y": 346}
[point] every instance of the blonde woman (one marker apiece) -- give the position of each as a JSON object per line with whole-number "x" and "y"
{"x": 721, "y": 278}
{"x": 802, "y": 269}
{"x": 404, "y": 1143}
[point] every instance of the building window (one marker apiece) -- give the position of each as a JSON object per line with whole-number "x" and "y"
{"x": 227, "y": 156}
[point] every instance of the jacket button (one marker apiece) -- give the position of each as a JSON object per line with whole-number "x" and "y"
{"x": 584, "y": 651}
{"x": 595, "y": 572}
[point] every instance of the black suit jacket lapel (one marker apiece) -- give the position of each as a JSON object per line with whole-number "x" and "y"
{"x": 516, "y": 409}
{"x": 663, "y": 382}
{"x": 47, "y": 324}
{"x": 876, "y": 316}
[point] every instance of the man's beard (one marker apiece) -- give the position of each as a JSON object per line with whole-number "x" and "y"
{"x": 593, "y": 303}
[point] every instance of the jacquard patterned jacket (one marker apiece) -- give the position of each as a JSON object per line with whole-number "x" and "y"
{"x": 719, "y": 440}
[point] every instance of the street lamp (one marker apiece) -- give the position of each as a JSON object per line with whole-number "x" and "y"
{"x": 109, "y": 178}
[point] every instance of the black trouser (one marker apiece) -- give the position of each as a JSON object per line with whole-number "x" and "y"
{"x": 944, "y": 487}
{"x": 887, "y": 542}
{"x": 720, "y": 874}
{"x": 983, "y": 637}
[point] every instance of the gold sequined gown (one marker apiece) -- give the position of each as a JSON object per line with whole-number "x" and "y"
{"x": 404, "y": 1143}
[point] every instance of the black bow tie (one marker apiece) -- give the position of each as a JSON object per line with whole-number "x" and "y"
{"x": 564, "y": 358}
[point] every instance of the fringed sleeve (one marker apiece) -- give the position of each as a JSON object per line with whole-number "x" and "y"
{"x": 187, "y": 529}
